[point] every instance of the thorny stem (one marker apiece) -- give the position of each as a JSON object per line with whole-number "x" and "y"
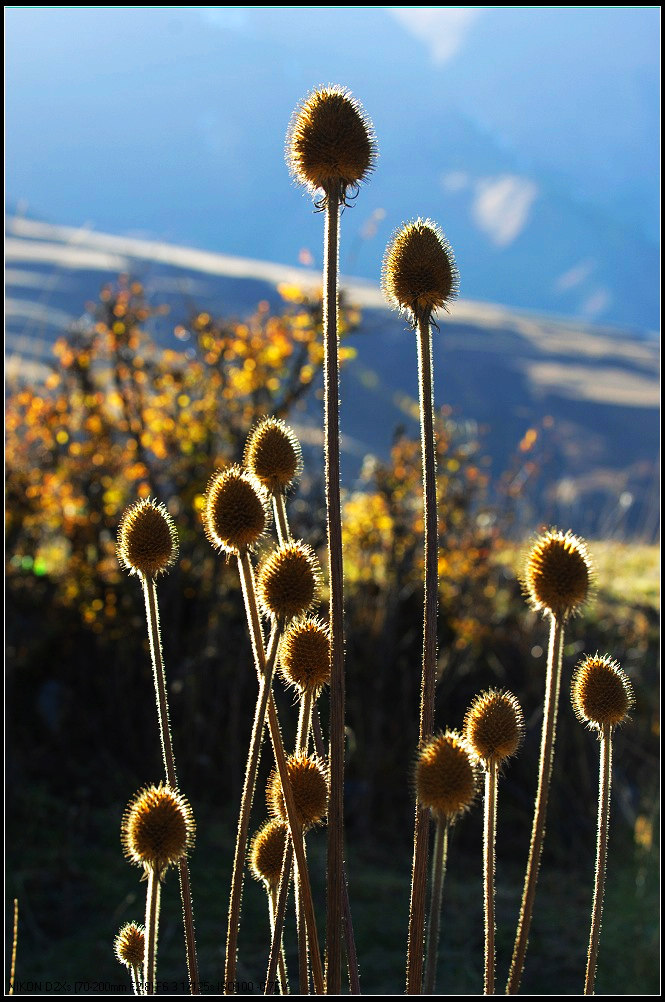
{"x": 302, "y": 741}
{"x": 554, "y": 658}
{"x": 336, "y": 579}
{"x": 12, "y": 968}
{"x": 349, "y": 938}
{"x": 280, "y": 912}
{"x": 281, "y": 523}
{"x": 605, "y": 780}
{"x": 136, "y": 980}
{"x": 295, "y": 828}
{"x": 151, "y": 927}
{"x": 253, "y": 757}
{"x": 152, "y": 612}
{"x": 489, "y": 861}
{"x": 439, "y": 859}
{"x": 428, "y": 684}
{"x": 272, "y": 905}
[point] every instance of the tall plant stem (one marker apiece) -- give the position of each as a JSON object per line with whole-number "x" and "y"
{"x": 152, "y": 613}
{"x": 554, "y": 658}
{"x": 295, "y": 827}
{"x": 489, "y": 865}
{"x": 605, "y": 780}
{"x": 12, "y": 968}
{"x": 151, "y": 928}
{"x": 302, "y": 741}
{"x": 349, "y": 938}
{"x": 439, "y": 859}
{"x": 281, "y": 962}
{"x": 336, "y": 579}
{"x": 281, "y": 521}
{"x": 251, "y": 769}
{"x": 280, "y": 912}
{"x": 414, "y": 964}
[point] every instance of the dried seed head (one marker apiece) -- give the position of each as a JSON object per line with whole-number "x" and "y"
{"x": 129, "y": 945}
{"x": 273, "y": 454}
{"x": 266, "y": 852}
{"x": 419, "y": 272}
{"x": 309, "y": 783}
{"x": 305, "y": 655}
{"x": 236, "y": 511}
{"x": 288, "y": 581}
{"x": 157, "y": 828}
{"x": 330, "y": 144}
{"x": 601, "y": 692}
{"x": 494, "y": 726}
{"x": 446, "y": 776}
{"x": 558, "y": 572}
{"x": 147, "y": 539}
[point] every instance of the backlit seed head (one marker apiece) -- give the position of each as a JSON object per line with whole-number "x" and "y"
{"x": 147, "y": 539}
{"x": 305, "y": 655}
{"x": 129, "y": 945}
{"x": 157, "y": 828}
{"x": 419, "y": 272}
{"x": 446, "y": 776}
{"x": 236, "y": 511}
{"x": 330, "y": 145}
{"x": 273, "y": 454}
{"x": 309, "y": 782}
{"x": 494, "y": 726}
{"x": 266, "y": 852}
{"x": 558, "y": 573}
{"x": 289, "y": 581}
{"x": 601, "y": 692}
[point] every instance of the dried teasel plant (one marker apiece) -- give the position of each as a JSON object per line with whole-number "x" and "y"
{"x": 147, "y": 546}
{"x": 331, "y": 150}
{"x": 557, "y": 580}
{"x": 419, "y": 277}
{"x": 602, "y": 698}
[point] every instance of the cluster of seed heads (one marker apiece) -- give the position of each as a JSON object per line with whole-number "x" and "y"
{"x": 494, "y": 726}
{"x": 266, "y": 852}
{"x": 447, "y": 776}
{"x": 157, "y": 828}
{"x": 602, "y": 694}
{"x": 558, "y": 573}
{"x": 147, "y": 539}
{"x": 419, "y": 271}
{"x": 309, "y": 783}
{"x": 273, "y": 454}
{"x": 236, "y": 512}
{"x": 129, "y": 945}
{"x": 305, "y": 656}
{"x": 289, "y": 581}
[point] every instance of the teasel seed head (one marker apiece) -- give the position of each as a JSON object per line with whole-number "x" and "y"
{"x": 309, "y": 782}
{"x": 147, "y": 539}
{"x": 157, "y": 828}
{"x": 266, "y": 852}
{"x": 273, "y": 454}
{"x": 330, "y": 144}
{"x": 447, "y": 776}
{"x": 494, "y": 726}
{"x": 129, "y": 945}
{"x": 236, "y": 511}
{"x": 558, "y": 574}
{"x": 289, "y": 581}
{"x": 305, "y": 655}
{"x": 601, "y": 691}
{"x": 419, "y": 273}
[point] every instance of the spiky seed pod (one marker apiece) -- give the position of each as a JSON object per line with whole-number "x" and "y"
{"x": 446, "y": 776}
{"x": 129, "y": 945}
{"x": 273, "y": 454}
{"x": 494, "y": 726}
{"x": 419, "y": 273}
{"x": 266, "y": 852}
{"x": 330, "y": 145}
{"x": 289, "y": 581}
{"x": 558, "y": 572}
{"x": 157, "y": 828}
{"x": 147, "y": 539}
{"x": 236, "y": 511}
{"x": 601, "y": 692}
{"x": 309, "y": 782}
{"x": 305, "y": 656}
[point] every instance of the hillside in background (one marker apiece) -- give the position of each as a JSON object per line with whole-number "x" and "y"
{"x": 582, "y": 401}
{"x": 530, "y": 134}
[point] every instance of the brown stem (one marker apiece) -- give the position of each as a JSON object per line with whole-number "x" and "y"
{"x": 253, "y": 756}
{"x": 281, "y": 962}
{"x": 439, "y": 860}
{"x": 336, "y": 579}
{"x": 554, "y": 658}
{"x": 159, "y": 674}
{"x": 349, "y": 938}
{"x": 280, "y": 912}
{"x": 489, "y": 860}
{"x": 281, "y": 523}
{"x": 151, "y": 928}
{"x": 414, "y": 966}
{"x": 12, "y": 969}
{"x": 605, "y": 780}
